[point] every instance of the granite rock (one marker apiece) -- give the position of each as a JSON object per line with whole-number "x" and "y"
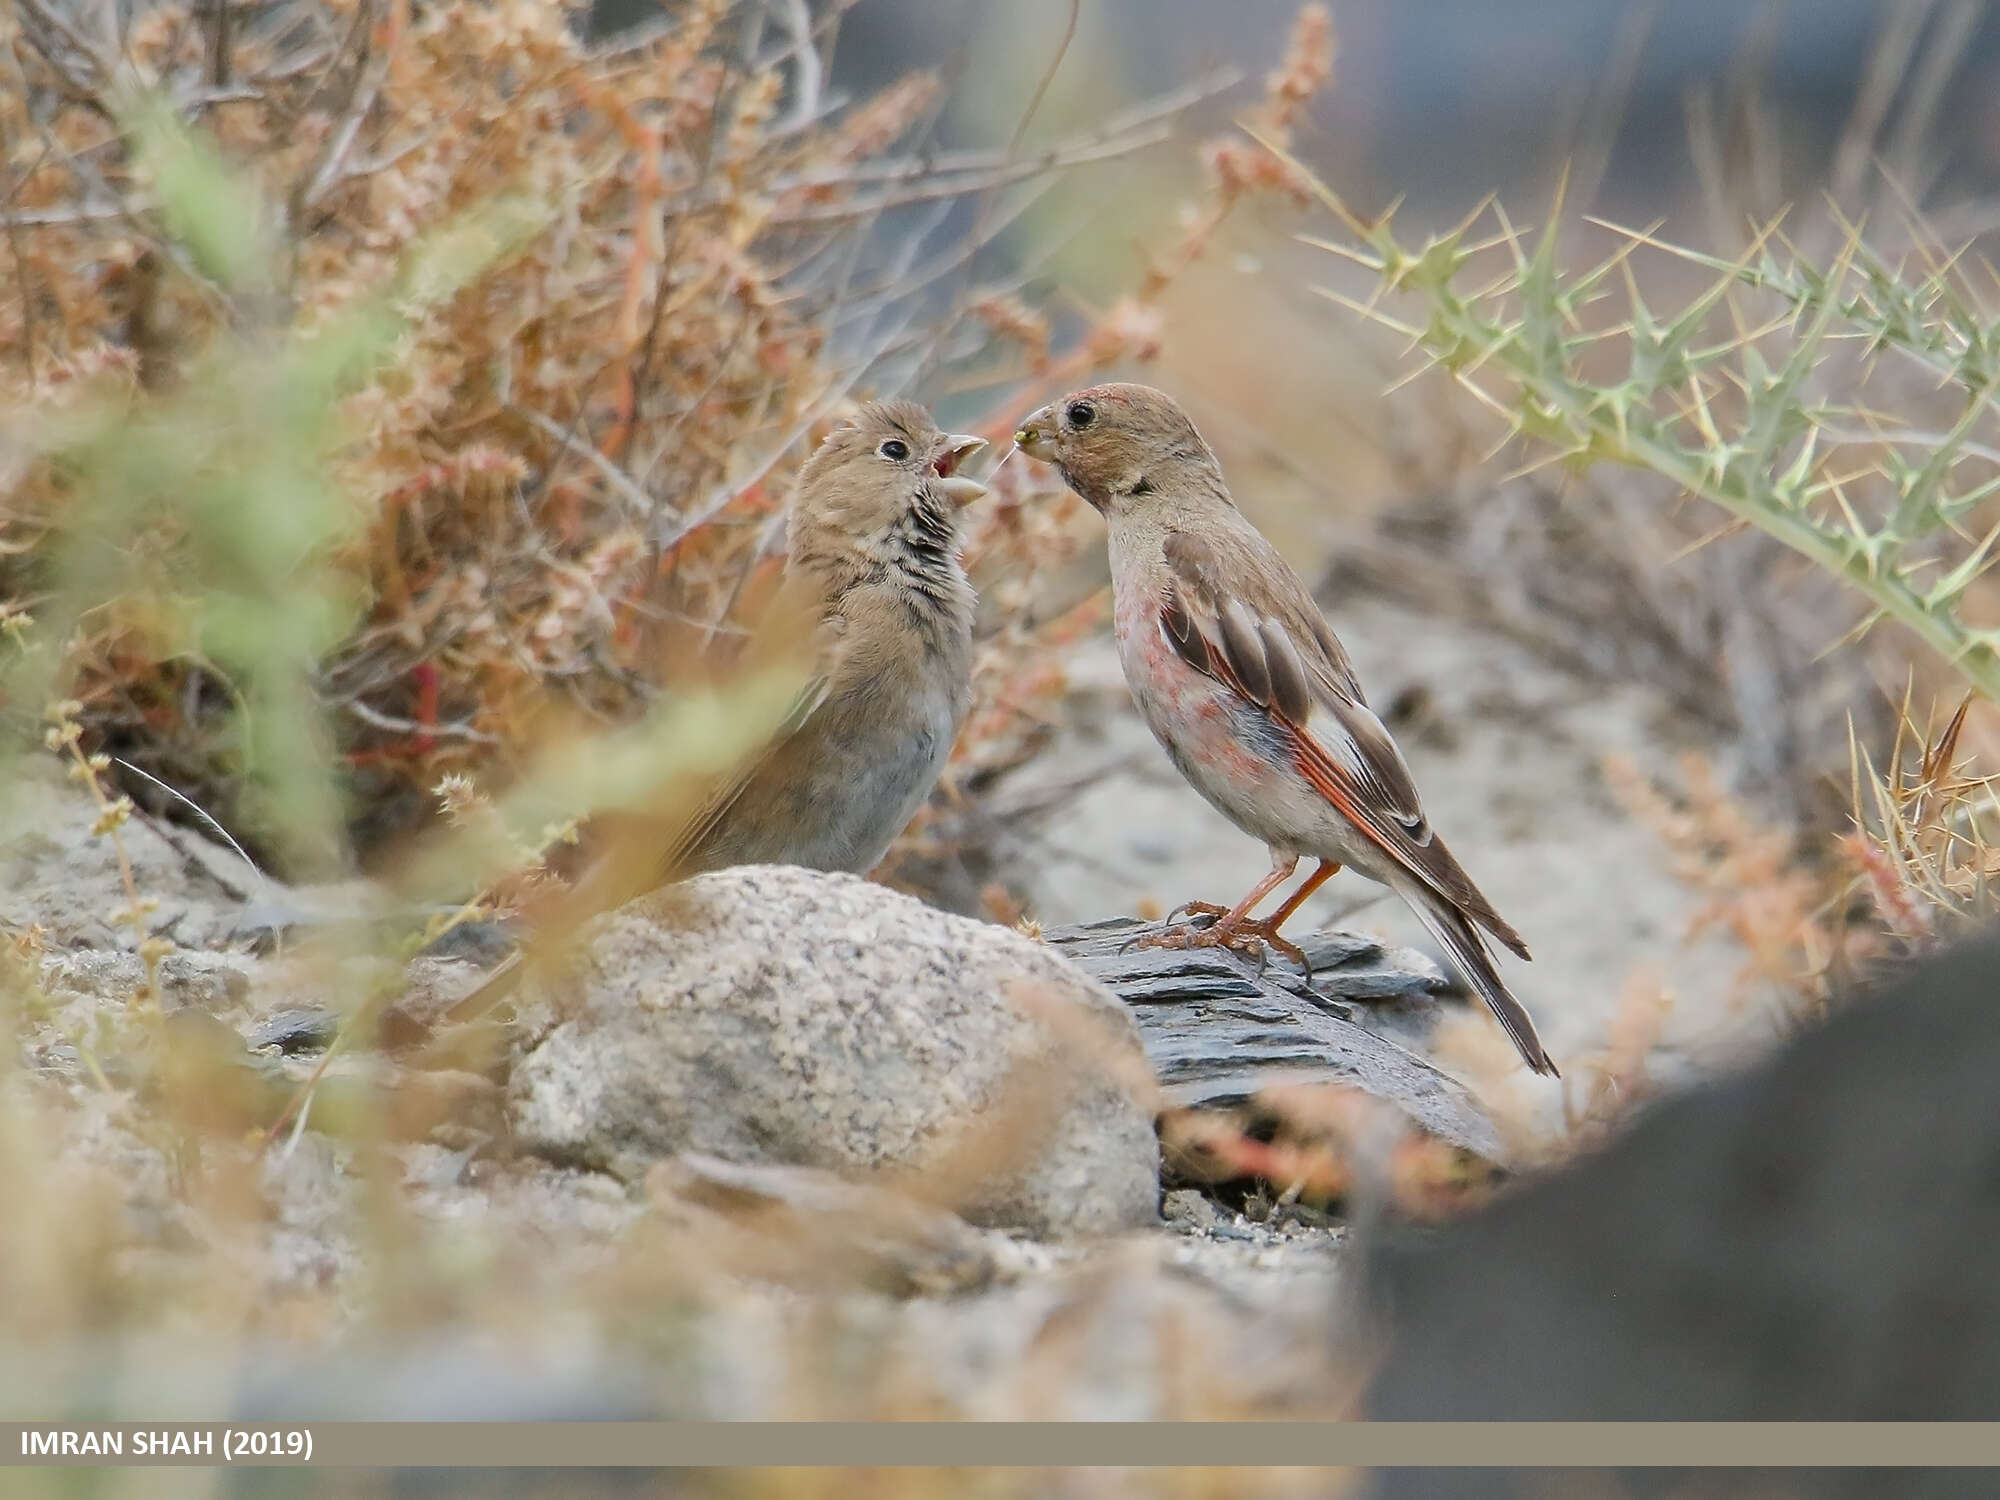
{"x": 775, "y": 1015}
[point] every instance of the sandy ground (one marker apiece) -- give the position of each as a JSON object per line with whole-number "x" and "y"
{"x": 1507, "y": 751}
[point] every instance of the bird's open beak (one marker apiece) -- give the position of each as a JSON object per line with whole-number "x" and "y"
{"x": 959, "y": 488}
{"x": 1036, "y": 435}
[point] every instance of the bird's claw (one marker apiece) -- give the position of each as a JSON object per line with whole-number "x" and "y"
{"x": 1261, "y": 938}
{"x": 1169, "y": 936}
{"x": 1165, "y": 937}
{"x": 1253, "y": 939}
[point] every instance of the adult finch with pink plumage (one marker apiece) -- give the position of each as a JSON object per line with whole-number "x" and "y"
{"x": 1240, "y": 679}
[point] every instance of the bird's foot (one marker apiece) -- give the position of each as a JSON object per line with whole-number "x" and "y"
{"x": 1245, "y": 935}
{"x": 1170, "y": 936}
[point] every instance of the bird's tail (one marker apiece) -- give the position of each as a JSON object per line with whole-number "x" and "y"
{"x": 1470, "y": 956}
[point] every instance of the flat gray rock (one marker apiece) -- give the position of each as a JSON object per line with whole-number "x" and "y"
{"x": 1217, "y": 1027}
{"x": 58, "y": 875}
{"x": 778, "y": 1015}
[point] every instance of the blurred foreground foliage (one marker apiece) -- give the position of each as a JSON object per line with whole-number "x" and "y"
{"x": 202, "y": 521}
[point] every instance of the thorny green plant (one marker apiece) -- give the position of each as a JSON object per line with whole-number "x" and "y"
{"x": 1768, "y": 393}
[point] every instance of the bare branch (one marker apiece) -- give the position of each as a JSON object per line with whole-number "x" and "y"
{"x": 643, "y": 505}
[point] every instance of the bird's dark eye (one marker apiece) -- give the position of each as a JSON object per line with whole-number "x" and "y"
{"x": 1081, "y": 414}
{"x": 894, "y": 449}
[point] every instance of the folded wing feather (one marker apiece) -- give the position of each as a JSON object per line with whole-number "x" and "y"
{"x": 1286, "y": 661}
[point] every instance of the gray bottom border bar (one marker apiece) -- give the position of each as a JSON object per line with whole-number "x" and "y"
{"x": 1007, "y": 1444}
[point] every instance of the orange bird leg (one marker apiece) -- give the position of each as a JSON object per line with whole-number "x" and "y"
{"x": 1326, "y": 871}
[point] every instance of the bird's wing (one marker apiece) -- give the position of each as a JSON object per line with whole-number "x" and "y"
{"x": 1283, "y": 659}
{"x": 811, "y": 697}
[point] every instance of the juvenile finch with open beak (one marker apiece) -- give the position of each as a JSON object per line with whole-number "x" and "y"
{"x": 1255, "y": 701}
{"x": 873, "y": 559}
{"x": 873, "y": 547}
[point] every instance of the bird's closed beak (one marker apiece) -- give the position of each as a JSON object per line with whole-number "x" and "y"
{"x": 960, "y": 489}
{"x": 1036, "y": 435}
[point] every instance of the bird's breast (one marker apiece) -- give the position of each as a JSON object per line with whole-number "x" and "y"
{"x": 875, "y": 775}
{"x": 1232, "y": 752}
{"x": 1195, "y": 717}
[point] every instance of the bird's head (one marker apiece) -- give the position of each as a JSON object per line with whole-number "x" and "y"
{"x": 886, "y": 462}
{"x": 1122, "y": 447}
{"x": 882, "y": 486}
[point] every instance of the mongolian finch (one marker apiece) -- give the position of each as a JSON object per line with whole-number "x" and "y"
{"x": 873, "y": 544}
{"x": 1253, "y": 698}
{"x": 873, "y": 562}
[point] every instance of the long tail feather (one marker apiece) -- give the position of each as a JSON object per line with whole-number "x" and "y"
{"x": 1461, "y": 940}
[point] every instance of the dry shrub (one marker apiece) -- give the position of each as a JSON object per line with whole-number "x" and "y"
{"x": 1753, "y": 883}
{"x": 505, "y": 553}
{"x": 1816, "y": 917}
{"x": 1921, "y": 847}
{"x": 565, "y": 469}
